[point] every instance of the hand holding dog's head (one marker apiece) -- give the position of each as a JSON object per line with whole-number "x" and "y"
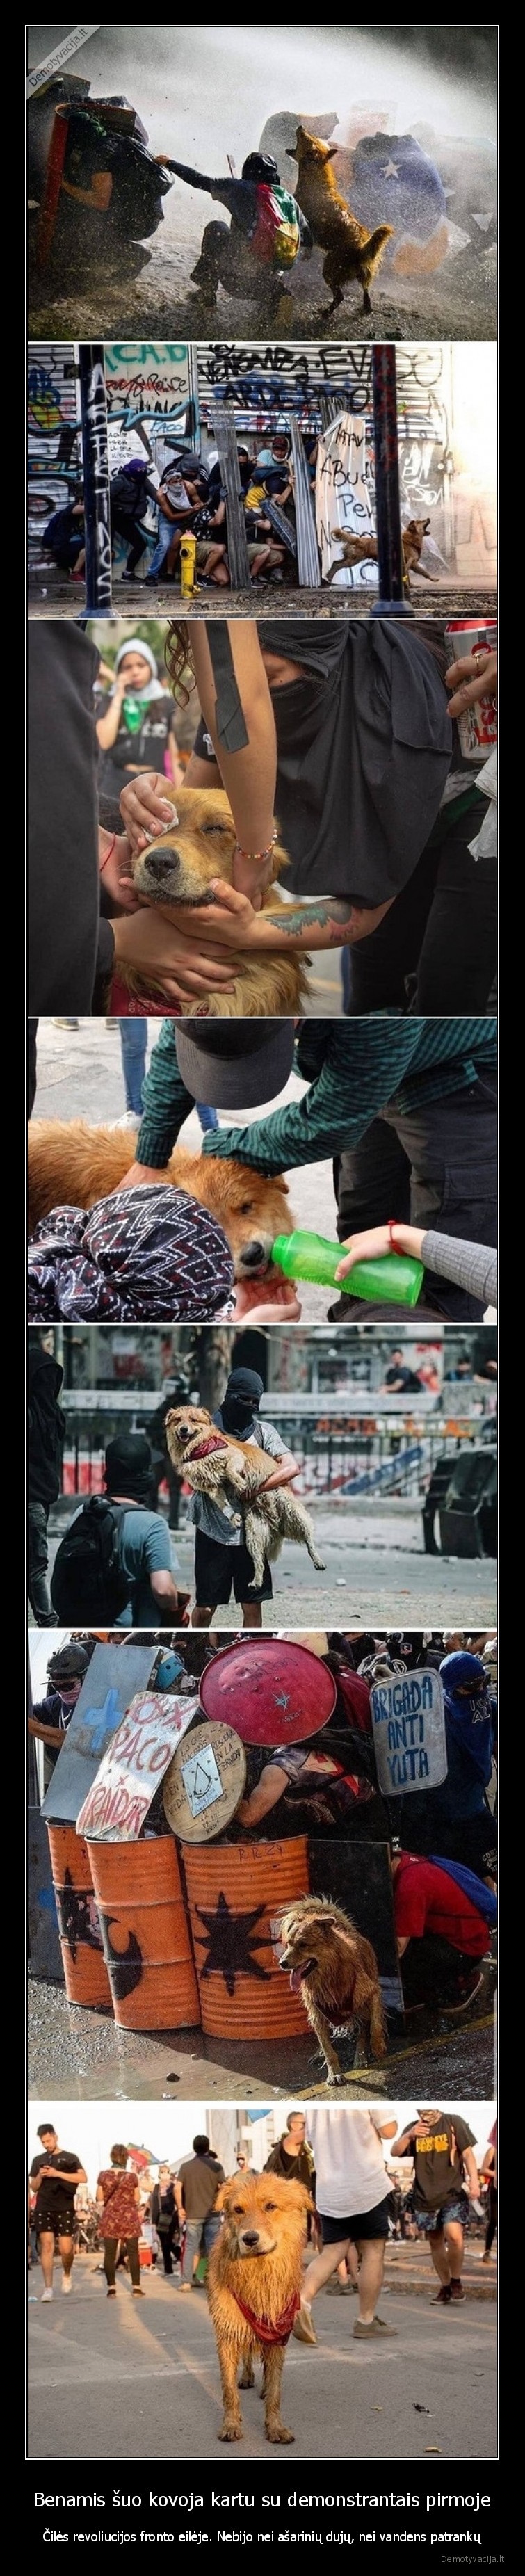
{"x": 199, "y": 846}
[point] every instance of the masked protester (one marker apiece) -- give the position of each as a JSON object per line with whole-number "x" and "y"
{"x": 221, "y": 1558}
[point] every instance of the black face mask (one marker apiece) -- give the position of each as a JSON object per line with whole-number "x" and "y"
{"x": 238, "y": 1414}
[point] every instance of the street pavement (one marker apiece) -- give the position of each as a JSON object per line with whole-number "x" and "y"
{"x": 139, "y": 2380}
{"x": 376, "y": 1573}
{"x": 78, "y": 2055}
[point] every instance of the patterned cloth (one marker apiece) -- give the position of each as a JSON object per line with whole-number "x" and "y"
{"x": 121, "y": 2213}
{"x": 151, "y": 1253}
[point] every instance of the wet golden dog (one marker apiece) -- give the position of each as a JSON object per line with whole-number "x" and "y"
{"x": 351, "y": 252}
{"x": 213, "y": 1463}
{"x": 73, "y": 1165}
{"x": 178, "y": 868}
{"x": 336, "y": 1972}
{"x": 254, "y": 2288}
{"x": 364, "y": 550}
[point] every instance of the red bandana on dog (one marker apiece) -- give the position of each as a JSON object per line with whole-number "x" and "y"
{"x": 206, "y": 1447}
{"x": 280, "y": 2331}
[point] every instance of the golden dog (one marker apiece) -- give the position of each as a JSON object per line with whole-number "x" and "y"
{"x": 351, "y": 252}
{"x": 73, "y": 1165}
{"x": 336, "y": 1972}
{"x": 254, "y": 2290}
{"x": 212, "y": 1463}
{"x": 178, "y": 868}
{"x": 364, "y": 550}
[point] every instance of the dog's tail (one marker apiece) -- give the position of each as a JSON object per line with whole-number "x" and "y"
{"x": 378, "y": 2039}
{"x": 371, "y": 249}
{"x": 319, "y": 1561}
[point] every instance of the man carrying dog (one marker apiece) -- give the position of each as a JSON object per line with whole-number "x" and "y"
{"x": 352, "y": 2195}
{"x": 222, "y": 1560}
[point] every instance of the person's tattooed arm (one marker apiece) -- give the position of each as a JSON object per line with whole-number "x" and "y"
{"x": 327, "y": 923}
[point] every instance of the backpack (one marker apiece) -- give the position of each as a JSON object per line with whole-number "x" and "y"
{"x": 481, "y": 1896}
{"x": 87, "y": 1583}
{"x": 275, "y": 241}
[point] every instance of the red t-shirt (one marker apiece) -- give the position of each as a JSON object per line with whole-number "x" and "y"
{"x": 121, "y": 2213}
{"x": 427, "y": 1900}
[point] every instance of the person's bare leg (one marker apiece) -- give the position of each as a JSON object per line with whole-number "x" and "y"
{"x": 321, "y": 2270}
{"x": 252, "y": 1614}
{"x": 440, "y": 2257}
{"x": 201, "y": 1618}
{"x": 66, "y": 2251}
{"x": 47, "y": 2249}
{"x": 370, "y": 2280}
{"x": 352, "y": 2262}
{"x": 455, "y": 2246}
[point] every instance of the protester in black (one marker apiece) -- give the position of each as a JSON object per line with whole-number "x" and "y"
{"x": 46, "y": 1436}
{"x": 57, "y": 2175}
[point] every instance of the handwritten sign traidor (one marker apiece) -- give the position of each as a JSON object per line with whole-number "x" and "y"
{"x": 118, "y": 1800}
{"x": 408, "y": 1718}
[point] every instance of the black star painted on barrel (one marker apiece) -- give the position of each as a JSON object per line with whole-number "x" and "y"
{"x": 230, "y": 1941}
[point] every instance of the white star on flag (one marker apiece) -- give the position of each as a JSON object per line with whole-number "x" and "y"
{"x": 390, "y": 172}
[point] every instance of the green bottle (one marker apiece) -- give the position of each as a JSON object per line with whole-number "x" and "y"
{"x": 394, "y": 1281}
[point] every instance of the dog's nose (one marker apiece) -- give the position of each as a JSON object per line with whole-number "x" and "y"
{"x": 252, "y": 1255}
{"x": 163, "y": 863}
{"x": 252, "y": 2238}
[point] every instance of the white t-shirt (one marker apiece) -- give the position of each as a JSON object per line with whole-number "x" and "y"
{"x": 348, "y": 2157}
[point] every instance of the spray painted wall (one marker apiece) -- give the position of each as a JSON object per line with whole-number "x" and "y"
{"x": 53, "y": 438}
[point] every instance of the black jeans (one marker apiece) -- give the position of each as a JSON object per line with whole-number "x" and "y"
{"x": 432, "y": 1972}
{"x": 111, "y": 2245}
{"x": 37, "y": 1520}
{"x": 133, "y": 535}
{"x": 431, "y": 1166}
{"x": 167, "y": 2235}
{"x": 442, "y": 929}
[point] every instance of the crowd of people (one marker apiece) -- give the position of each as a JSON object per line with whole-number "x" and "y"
{"x": 380, "y": 822}
{"x": 191, "y": 500}
{"x": 442, "y": 1841}
{"x": 366, "y": 2186}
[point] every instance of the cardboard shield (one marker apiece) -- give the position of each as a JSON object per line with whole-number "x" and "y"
{"x": 117, "y": 1802}
{"x": 408, "y": 1721}
{"x": 115, "y": 1672}
{"x": 205, "y": 1783}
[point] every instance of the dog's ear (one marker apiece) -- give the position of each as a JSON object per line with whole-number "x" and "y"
{"x": 330, "y": 151}
{"x": 298, "y": 2197}
{"x": 223, "y": 2195}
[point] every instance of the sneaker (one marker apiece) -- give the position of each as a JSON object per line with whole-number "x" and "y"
{"x": 137, "y": 2293}
{"x": 443, "y": 2297}
{"x": 377, "y": 2327}
{"x": 457, "y": 2292}
{"x": 303, "y": 2329}
{"x": 45, "y": 2294}
{"x": 67, "y": 2284}
{"x": 111, "y": 2293}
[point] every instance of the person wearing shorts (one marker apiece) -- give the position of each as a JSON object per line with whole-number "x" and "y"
{"x": 222, "y": 1561}
{"x": 56, "y": 2174}
{"x": 352, "y": 2199}
{"x": 443, "y": 2150}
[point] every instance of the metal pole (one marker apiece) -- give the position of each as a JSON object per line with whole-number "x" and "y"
{"x": 93, "y": 415}
{"x": 391, "y": 601}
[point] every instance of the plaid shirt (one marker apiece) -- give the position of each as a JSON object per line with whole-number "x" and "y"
{"x": 354, "y": 1069}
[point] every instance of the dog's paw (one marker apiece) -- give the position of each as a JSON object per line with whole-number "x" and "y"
{"x": 334, "y": 2075}
{"x": 246, "y": 2379}
{"x": 278, "y": 2433}
{"x": 230, "y": 2432}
